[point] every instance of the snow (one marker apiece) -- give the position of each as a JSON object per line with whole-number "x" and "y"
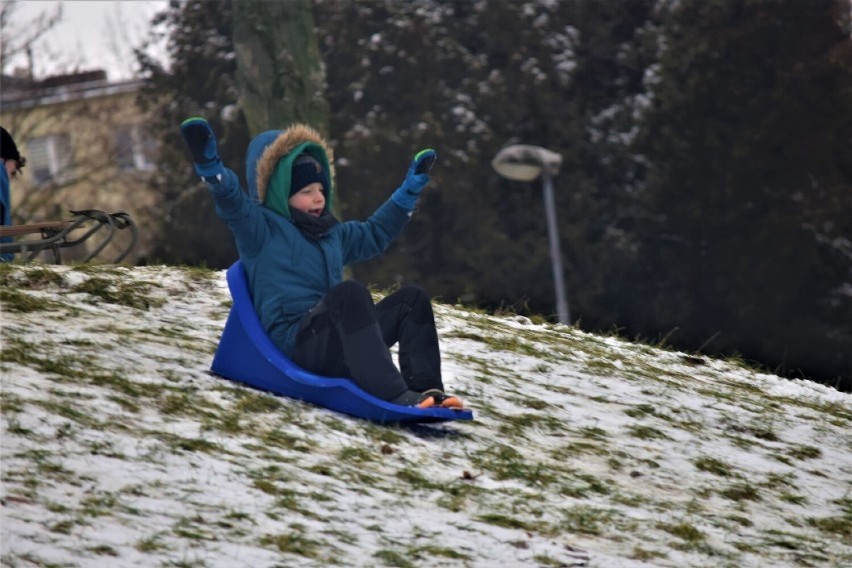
{"x": 119, "y": 448}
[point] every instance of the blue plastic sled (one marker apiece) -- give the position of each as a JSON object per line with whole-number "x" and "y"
{"x": 246, "y": 354}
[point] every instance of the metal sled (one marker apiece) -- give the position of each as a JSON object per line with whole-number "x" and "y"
{"x": 247, "y": 355}
{"x": 57, "y": 235}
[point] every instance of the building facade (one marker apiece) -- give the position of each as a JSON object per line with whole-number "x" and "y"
{"x": 86, "y": 145}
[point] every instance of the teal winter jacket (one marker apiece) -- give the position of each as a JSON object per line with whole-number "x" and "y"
{"x": 289, "y": 272}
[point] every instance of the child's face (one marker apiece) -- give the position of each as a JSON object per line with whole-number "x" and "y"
{"x": 310, "y": 199}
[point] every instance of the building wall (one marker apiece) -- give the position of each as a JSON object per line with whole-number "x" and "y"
{"x": 86, "y": 146}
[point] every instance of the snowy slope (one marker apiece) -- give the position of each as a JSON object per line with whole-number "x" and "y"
{"x": 120, "y": 449}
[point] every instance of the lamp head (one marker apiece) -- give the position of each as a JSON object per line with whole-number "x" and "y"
{"x": 523, "y": 162}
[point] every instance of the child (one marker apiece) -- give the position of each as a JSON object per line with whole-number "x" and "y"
{"x": 293, "y": 250}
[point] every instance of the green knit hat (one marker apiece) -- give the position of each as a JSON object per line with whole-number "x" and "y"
{"x": 279, "y": 184}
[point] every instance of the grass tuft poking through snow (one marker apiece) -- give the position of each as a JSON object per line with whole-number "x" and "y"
{"x": 119, "y": 448}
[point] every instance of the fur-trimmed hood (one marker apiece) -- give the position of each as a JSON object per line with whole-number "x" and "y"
{"x": 270, "y": 158}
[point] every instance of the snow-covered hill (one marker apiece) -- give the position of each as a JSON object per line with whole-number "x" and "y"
{"x": 120, "y": 449}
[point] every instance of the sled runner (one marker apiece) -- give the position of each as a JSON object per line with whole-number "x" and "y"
{"x": 247, "y": 355}
{"x": 57, "y": 235}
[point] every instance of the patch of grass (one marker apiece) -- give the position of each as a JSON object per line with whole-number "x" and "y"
{"x": 756, "y": 430}
{"x": 601, "y": 367}
{"x": 714, "y": 466}
{"x": 191, "y": 528}
{"x": 62, "y": 527}
{"x": 67, "y": 409}
{"x": 743, "y": 443}
{"x": 281, "y": 439}
{"x": 99, "y": 504}
{"x": 797, "y": 500}
{"x": 594, "y": 433}
{"x": 504, "y": 521}
{"x": 293, "y": 542}
{"x": 575, "y": 449}
{"x": 416, "y": 479}
{"x": 779, "y": 480}
{"x": 457, "y": 494}
{"x": 740, "y": 492}
{"x": 641, "y": 410}
{"x": 838, "y": 526}
{"x": 185, "y": 401}
{"x": 393, "y": 558}
{"x": 586, "y": 520}
{"x": 385, "y": 434}
{"x": 17, "y": 301}
{"x": 458, "y": 334}
{"x": 41, "y": 357}
{"x": 126, "y": 403}
{"x": 357, "y": 454}
{"x": 647, "y": 433}
{"x": 176, "y": 403}
{"x": 505, "y": 462}
{"x": 535, "y": 403}
{"x": 341, "y": 536}
{"x": 240, "y": 516}
{"x": 289, "y": 499}
{"x": 545, "y": 560}
{"x": 584, "y": 484}
{"x": 103, "y": 550}
{"x": 13, "y": 426}
{"x": 34, "y": 277}
{"x": 229, "y": 422}
{"x": 514, "y": 424}
{"x": 121, "y": 383}
{"x": 684, "y": 531}
{"x": 153, "y": 543}
{"x": 179, "y": 443}
{"x": 198, "y": 274}
{"x": 434, "y": 551}
{"x": 11, "y": 403}
{"x": 740, "y": 520}
{"x": 503, "y": 342}
{"x": 104, "y": 448}
{"x": 266, "y": 486}
{"x": 646, "y": 555}
{"x": 120, "y": 292}
{"x": 804, "y": 452}
{"x": 257, "y": 402}
{"x": 54, "y": 507}
{"x": 784, "y": 540}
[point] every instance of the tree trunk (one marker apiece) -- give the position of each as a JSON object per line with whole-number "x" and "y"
{"x": 280, "y": 76}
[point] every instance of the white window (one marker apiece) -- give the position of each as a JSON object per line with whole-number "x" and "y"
{"x": 50, "y": 158}
{"x": 134, "y": 148}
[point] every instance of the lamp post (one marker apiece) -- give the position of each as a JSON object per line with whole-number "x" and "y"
{"x": 522, "y": 162}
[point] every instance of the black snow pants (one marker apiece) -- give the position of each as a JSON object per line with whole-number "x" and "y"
{"x": 346, "y": 335}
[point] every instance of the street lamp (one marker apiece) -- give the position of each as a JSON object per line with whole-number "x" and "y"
{"x": 522, "y": 162}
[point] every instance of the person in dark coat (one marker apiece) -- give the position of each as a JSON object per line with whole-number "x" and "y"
{"x": 293, "y": 250}
{"x": 13, "y": 162}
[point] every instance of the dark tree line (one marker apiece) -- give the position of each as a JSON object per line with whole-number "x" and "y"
{"x": 704, "y": 194}
{"x": 201, "y": 79}
{"x": 750, "y": 161}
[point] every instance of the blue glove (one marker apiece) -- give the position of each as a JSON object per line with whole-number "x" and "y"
{"x": 415, "y": 180}
{"x": 201, "y": 143}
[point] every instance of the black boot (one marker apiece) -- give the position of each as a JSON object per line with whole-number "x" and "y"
{"x": 432, "y": 398}
{"x": 406, "y": 318}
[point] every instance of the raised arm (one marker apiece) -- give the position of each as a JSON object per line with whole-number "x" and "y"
{"x": 370, "y": 238}
{"x": 233, "y": 205}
